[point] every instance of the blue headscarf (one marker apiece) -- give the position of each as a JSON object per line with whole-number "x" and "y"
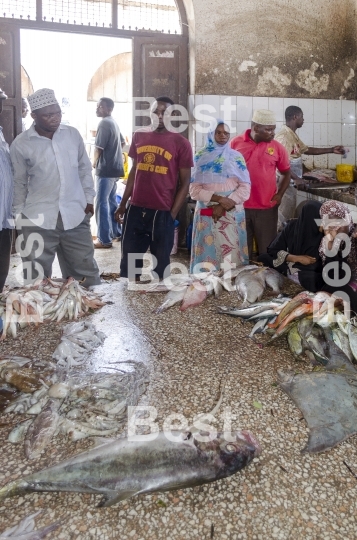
{"x": 215, "y": 163}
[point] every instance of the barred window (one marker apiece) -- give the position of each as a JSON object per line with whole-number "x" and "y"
{"x": 149, "y": 15}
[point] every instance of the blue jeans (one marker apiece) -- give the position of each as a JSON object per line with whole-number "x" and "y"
{"x": 105, "y": 206}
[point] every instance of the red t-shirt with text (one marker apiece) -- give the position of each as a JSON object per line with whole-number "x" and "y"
{"x": 159, "y": 157}
{"x": 263, "y": 160}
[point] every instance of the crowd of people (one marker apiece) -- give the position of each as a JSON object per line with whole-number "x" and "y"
{"x": 242, "y": 187}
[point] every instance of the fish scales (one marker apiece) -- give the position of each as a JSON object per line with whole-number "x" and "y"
{"x": 124, "y": 468}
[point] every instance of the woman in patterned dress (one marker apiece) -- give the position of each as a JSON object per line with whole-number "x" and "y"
{"x": 220, "y": 184}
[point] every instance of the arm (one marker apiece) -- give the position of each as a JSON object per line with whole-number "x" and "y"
{"x": 120, "y": 211}
{"x": 318, "y": 151}
{"x": 20, "y": 179}
{"x": 85, "y": 176}
{"x": 97, "y": 153}
{"x": 184, "y": 184}
{"x": 283, "y": 186}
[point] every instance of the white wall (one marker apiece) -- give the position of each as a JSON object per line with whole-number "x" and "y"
{"x": 327, "y": 122}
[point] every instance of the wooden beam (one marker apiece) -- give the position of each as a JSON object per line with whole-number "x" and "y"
{"x": 38, "y": 10}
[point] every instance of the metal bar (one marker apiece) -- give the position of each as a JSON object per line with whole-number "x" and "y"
{"x": 114, "y": 14}
{"x": 93, "y": 30}
{"x": 38, "y": 10}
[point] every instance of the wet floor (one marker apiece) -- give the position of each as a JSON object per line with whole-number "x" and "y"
{"x": 282, "y": 494}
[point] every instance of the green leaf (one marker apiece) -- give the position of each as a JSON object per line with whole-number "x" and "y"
{"x": 257, "y": 405}
{"x": 161, "y": 504}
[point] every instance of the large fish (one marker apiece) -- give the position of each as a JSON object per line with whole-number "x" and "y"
{"x": 251, "y": 311}
{"x": 352, "y": 337}
{"x": 274, "y": 280}
{"x": 328, "y": 402}
{"x": 337, "y": 360}
{"x": 301, "y": 311}
{"x": 289, "y": 307}
{"x": 295, "y": 341}
{"x": 123, "y": 468}
{"x": 195, "y": 294}
{"x": 250, "y": 286}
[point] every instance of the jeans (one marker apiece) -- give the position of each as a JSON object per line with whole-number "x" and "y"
{"x": 145, "y": 228}
{"x": 105, "y": 206}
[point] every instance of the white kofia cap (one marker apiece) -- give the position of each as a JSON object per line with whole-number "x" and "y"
{"x": 42, "y": 98}
{"x": 264, "y": 117}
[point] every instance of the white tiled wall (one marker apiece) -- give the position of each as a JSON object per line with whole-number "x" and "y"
{"x": 327, "y": 122}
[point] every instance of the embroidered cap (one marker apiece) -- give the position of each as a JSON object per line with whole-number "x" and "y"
{"x": 264, "y": 117}
{"x": 42, "y": 98}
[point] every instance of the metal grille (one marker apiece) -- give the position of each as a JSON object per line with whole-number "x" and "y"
{"x": 150, "y": 15}
{"x": 18, "y": 9}
{"x": 90, "y": 13}
{"x": 154, "y": 15}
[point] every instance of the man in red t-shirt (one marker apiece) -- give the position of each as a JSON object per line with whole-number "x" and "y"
{"x": 158, "y": 184}
{"x": 264, "y": 156}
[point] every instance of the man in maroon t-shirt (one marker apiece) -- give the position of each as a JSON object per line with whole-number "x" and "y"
{"x": 158, "y": 184}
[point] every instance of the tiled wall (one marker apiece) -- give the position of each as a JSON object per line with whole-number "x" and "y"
{"x": 327, "y": 122}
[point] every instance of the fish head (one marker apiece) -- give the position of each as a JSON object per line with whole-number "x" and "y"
{"x": 230, "y": 451}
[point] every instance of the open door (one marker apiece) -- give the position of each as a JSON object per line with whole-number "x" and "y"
{"x": 10, "y": 81}
{"x": 160, "y": 68}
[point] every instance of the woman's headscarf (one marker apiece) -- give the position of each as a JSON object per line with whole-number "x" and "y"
{"x": 215, "y": 163}
{"x": 336, "y": 209}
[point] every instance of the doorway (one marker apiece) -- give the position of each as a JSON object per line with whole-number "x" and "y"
{"x": 80, "y": 68}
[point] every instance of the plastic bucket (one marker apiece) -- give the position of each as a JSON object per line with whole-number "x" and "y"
{"x": 344, "y": 173}
{"x": 176, "y": 234}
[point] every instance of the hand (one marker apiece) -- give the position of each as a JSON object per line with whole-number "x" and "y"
{"x": 338, "y": 150}
{"x": 218, "y": 212}
{"x": 119, "y": 213}
{"x": 89, "y": 209}
{"x": 305, "y": 259}
{"x": 173, "y": 215}
{"x": 227, "y": 203}
{"x": 277, "y": 199}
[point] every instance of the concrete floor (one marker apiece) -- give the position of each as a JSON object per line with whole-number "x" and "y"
{"x": 282, "y": 494}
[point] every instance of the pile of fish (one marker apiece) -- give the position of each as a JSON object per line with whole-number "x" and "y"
{"x": 25, "y": 530}
{"x": 78, "y": 339}
{"x": 193, "y": 289}
{"x": 85, "y": 405}
{"x": 45, "y": 300}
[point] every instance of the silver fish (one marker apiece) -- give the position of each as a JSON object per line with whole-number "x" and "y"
{"x": 175, "y": 296}
{"x": 250, "y": 286}
{"x": 25, "y": 530}
{"x": 343, "y": 342}
{"x": 124, "y": 468}
{"x": 328, "y": 402}
{"x": 274, "y": 280}
{"x": 195, "y": 294}
{"x": 42, "y": 430}
{"x": 259, "y": 327}
{"x": 18, "y": 434}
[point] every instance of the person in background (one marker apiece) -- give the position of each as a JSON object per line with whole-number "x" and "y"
{"x": 53, "y": 195}
{"x": 6, "y": 215}
{"x": 295, "y": 251}
{"x": 24, "y": 113}
{"x": 296, "y": 148}
{"x": 264, "y": 157}
{"x": 221, "y": 184}
{"x": 108, "y": 165}
{"x": 158, "y": 184}
{"x": 342, "y": 274}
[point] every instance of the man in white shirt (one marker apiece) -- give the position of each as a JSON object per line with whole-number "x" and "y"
{"x": 53, "y": 195}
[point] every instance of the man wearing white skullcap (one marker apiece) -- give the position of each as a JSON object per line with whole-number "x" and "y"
{"x": 53, "y": 195}
{"x": 264, "y": 156}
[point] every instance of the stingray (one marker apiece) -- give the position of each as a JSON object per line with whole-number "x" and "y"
{"x": 328, "y": 402}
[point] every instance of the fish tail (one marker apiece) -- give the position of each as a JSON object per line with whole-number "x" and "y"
{"x": 13, "y": 488}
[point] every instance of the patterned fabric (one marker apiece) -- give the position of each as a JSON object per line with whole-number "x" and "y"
{"x": 6, "y": 185}
{"x": 42, "y": 98}
{"x": 280, "y": 258}
{"x": 334, "y": 215}
{"x": 214, "y": 242}
{"x": 216, "y": 162}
